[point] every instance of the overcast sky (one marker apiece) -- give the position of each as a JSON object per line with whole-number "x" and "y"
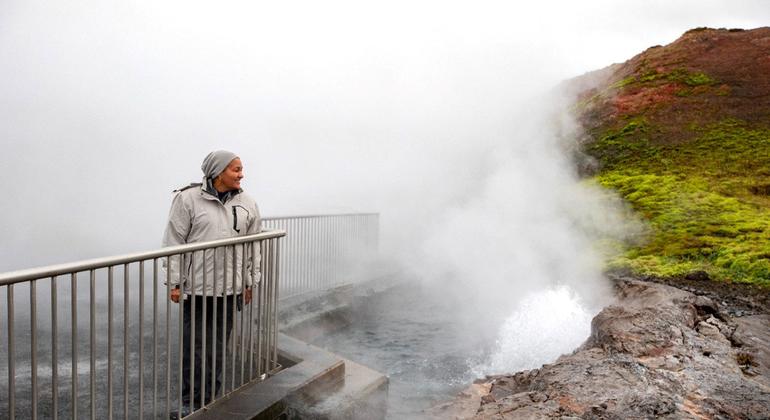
{"x": 399, "y": 106}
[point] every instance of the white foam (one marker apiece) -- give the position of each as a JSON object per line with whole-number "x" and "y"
{"x": 545, "y": 325}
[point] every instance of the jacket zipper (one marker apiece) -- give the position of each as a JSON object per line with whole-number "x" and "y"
{"x": 235, "y": 220}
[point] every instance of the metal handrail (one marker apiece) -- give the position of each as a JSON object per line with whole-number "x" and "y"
{"x": 96, "y": 263}
{"x": 311, "y": 253}
{"x": 313, "y": 216}
{"x": 247, "y": 332}
{"x": 323, "y": 251}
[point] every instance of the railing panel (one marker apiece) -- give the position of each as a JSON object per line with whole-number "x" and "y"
{"x": 102, "y": 339}
{"x": 321, "y": 251}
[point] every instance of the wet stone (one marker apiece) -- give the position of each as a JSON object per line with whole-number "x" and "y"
{"x": 659, "y": 352}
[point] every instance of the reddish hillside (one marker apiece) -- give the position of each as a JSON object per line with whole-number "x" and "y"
{"x": 705, "y": 76}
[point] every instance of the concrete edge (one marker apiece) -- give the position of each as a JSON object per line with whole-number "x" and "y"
{"x": 269, "y": 398}
{"x": 348, "y": 403}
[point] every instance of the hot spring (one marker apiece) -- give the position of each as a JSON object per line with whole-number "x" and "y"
{"x": 430, "y": 353}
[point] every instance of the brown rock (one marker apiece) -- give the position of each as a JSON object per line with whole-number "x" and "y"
{"x": 653, "y": 354}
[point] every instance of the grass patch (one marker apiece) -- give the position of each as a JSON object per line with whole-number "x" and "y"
{"x": 699, "y": 198}
{"x": 691, "y": 79}
{"x": 624, "y": 82}
{"x": 624, "y": 146}
{"x": 679, "y": 75}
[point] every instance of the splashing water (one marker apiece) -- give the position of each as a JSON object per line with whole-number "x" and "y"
{"x": 416, "y": 338}
{"x": 545, "y": 325}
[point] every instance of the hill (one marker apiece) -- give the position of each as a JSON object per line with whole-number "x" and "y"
{"x": 682, "y": 132}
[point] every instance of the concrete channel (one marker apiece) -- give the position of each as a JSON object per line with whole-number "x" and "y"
{"x": 312, "y": 383}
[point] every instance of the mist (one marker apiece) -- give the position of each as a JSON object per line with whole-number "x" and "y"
{"x": 441, "y": 116}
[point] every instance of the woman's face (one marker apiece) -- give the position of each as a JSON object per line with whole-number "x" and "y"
{"x": 230, "y": 178}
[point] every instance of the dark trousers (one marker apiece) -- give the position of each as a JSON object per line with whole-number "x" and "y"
{"x": 223, "y": 318}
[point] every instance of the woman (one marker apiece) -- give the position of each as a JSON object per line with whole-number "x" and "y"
{"x": 217, "y": 208}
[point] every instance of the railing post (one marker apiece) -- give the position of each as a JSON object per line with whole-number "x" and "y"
{"x": 191, "y": 356}
{"x": 224, "y": 321}
{"x": 110, "y": 275}
{"x": 254, "y": 295}
{"x": 54, "y": 351}
{"x": 205, "y": 338}
{"x": 233, "y": 330}
{"x": 33, "y": 344}
{"x": 74, "y": 307}
{"x": 11, "y": 357}
{"x": 141, "y": 340}
{"x": 180, "y": 336}
{"x": 274, "y": 302}
{"x": 244, "y": 269}
{"x": 168, "y": 337}
{"x": 126, "y": 276}
{"x": 214, "y": 329}
{"x": 92, "y": 341}
{"x": 155, "y": 338}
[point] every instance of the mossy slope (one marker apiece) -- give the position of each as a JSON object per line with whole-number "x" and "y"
{"x": 698, "y": 172}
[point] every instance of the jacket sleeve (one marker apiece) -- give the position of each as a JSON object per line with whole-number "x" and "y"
{"x": 253, "y": 263}
{"x": 177, "y": 231}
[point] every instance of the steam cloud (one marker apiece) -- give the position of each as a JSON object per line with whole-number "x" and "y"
{"x": 334, "y": 106}
{"x": 431, "y": 113}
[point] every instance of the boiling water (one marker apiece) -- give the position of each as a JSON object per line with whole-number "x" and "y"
{"x": 430, "y": 353}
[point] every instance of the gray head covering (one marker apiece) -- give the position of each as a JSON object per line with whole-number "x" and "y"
{"x": 216, "y": 162}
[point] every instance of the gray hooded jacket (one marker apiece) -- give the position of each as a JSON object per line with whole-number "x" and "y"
{"x": 197, "y": 215}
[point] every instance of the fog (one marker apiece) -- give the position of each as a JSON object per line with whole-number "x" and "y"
{"x": 441, "y": 116}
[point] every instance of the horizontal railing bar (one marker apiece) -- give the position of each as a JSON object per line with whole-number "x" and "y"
{"x": 96, "y": 263}
{"x": 315, "y": 216}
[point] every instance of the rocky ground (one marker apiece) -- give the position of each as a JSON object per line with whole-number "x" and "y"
{"x": 697, "y": 351}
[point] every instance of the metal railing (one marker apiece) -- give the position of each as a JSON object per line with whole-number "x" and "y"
{"x": 69, "y": 364}
{"x": 323, "y": 251}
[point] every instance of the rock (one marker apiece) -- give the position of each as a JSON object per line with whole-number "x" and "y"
{"x": 705, "y": 305}
{"x": 752, "y": 337}
{"x": 711, "y": 329}
{"x": 465, "y": 406}
{"x": 659, "y": 352}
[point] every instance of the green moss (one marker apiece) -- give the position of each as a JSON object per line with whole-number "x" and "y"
{"x": 691, "y": 79}
{"x": 698, "y": 79}
{"x": 624, "y": 145}
{"x": 679, "y": 75}
{"x": 696, "y": 198}
{"x": 649, "y": 76}
{"x": 624, "y": 82}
